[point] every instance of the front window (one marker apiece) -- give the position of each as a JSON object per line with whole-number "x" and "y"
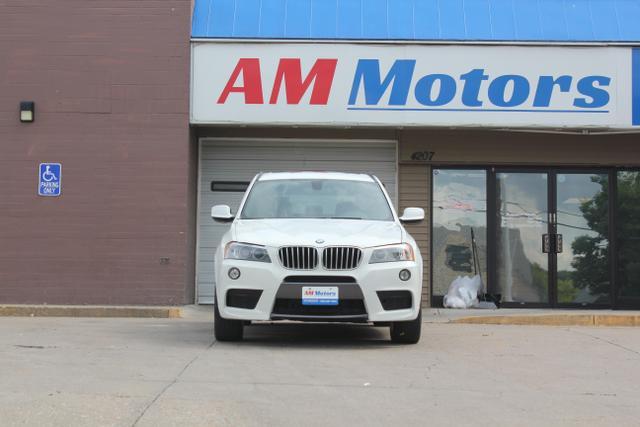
{"x": 317, "y": 198}
{"x": 459, "y": 217}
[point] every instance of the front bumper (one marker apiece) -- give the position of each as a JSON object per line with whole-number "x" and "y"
{"x": 276, "y": 282}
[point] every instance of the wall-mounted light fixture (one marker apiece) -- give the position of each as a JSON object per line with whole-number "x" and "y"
{"x": 27, "y": 111}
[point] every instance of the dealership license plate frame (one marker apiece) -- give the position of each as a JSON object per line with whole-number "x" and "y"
{"x": 320, "y": 295}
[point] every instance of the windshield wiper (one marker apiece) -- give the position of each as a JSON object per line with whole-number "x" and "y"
{"x": 345, "y": 217}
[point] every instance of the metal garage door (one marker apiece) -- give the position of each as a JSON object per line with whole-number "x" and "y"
{"x": 238, "y": 160}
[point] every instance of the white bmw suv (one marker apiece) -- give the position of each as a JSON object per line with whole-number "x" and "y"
{"x": 321, "y": 247}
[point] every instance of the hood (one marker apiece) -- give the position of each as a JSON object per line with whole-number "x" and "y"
{"x": 305, "y": 232}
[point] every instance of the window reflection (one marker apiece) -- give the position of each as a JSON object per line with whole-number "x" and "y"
{"x": 523, "y": 269}
{"x": 628, "y": 233}
{"x": 583, "y": 221}
{"x": 459, "y": 205}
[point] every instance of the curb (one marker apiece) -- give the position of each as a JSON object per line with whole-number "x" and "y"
{"x": 554, "y": 320}
{"x": 89, "y": 311}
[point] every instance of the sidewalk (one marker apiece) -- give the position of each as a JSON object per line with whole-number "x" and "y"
{"x": 543, "y": 317}
{"x": 503, "y": 316}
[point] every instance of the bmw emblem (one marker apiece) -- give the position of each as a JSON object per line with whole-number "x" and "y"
{"x": 319, "y": 241}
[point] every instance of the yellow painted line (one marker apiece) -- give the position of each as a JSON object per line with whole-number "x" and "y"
{"x": 555, "y": 320}
{"x": 617, "y": 320}
{"x": 549, "y": 320}
{"x": 89, "y": 311}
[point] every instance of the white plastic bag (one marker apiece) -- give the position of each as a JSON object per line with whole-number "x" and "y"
{"x": 463, "y": 292}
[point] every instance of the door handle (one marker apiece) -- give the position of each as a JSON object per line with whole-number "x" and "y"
{"x": 552, "y": 243}
{"x": 546, "y": 243}
{"x": 558, "y": 245}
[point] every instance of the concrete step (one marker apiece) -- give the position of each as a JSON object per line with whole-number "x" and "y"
{"x": 89, "y": 311}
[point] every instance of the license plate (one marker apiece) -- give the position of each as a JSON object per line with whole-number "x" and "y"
{"x": 319, "y": 295}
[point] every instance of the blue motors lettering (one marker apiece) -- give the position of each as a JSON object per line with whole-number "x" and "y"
{"x": 325, "y": 294}
{"x": 478, "y": 90}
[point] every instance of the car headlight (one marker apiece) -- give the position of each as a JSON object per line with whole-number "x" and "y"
{"x": 393, "y": 253}
{"x": 246, "y": 252}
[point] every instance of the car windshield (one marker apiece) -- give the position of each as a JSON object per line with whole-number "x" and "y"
{"x": 317, "y": 198}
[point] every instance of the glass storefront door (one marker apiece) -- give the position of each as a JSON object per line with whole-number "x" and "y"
{"x": 552, "y": 242}
{"x": 522, "y": 210}
{"x": 583, "y": 263}
{"x": 548, "y": 237}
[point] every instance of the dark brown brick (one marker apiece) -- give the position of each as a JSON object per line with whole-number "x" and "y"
{"x": 110, "y": 80}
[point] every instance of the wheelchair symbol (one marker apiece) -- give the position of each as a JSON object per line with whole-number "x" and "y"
{"x": 49, "y": 176}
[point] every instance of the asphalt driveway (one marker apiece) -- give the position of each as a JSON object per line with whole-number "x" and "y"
{"x": 150, "y": 372}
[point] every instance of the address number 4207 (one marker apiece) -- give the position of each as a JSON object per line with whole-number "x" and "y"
{"x": 423, "y": 155}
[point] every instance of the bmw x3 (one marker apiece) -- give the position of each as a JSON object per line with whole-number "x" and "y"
{"x": 320, "y": 247}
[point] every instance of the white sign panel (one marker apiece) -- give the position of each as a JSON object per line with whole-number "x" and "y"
{"x": 415, "y": 85}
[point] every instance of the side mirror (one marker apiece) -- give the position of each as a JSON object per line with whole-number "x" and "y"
{"x": 412, "y": 215}
{"x": 222, "y": 213}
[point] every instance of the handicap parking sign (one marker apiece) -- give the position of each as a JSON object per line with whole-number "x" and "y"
{"x": 50, "y": 179}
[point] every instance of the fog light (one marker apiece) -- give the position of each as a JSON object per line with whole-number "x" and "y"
{"x": 405, "y": 275}
{"x": 234, "y": 273}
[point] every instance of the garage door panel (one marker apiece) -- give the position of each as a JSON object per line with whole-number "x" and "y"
{"x": 298, "y": 151}
{"x": 207, "y": 267}
{"x": 229, "y": 172}
{"x": 212, "y": 240}
{"x": 380, "y": 170}
{"x": 239, "y": 160}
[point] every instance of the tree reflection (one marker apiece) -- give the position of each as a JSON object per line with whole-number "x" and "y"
{"x": 591, "y": 251}
{"x": 628, "y": 234}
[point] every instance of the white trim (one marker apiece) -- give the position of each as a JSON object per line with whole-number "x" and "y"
{"x": 191, "y": 83}
{"x": 418, "y": 42}
{"x": 213, "y": 140}
{"x": 198, "y": 203}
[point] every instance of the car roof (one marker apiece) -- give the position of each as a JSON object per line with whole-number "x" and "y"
{"x": 272, "y": 176}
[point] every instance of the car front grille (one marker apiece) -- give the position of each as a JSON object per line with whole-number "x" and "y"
{"x": 298, "y": 257}
{"x": 341, "y": 258}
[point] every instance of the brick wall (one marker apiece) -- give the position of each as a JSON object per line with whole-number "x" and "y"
{"x": 110, "y": 80}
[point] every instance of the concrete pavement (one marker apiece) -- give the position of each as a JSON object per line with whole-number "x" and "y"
{"x": 156, "y": 372}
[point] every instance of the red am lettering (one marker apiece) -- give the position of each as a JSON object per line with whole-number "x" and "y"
{"x": 289, "y": 72}
{"x": 252, "y": 88}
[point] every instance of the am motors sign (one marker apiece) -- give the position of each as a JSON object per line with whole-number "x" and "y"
{"x": 415, "y": 85}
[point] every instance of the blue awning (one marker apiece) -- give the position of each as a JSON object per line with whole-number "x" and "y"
{"x": 417, "y": 20}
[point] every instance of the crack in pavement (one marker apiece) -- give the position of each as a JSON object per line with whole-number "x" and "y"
{"x": 637, "y": 353}
{"x": 38, "y": 347}
{"x": 175, "y": 380}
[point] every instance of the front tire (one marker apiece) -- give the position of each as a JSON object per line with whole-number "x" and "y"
{"x": 226, "y": 329}
{"x": 407, "y": 332}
